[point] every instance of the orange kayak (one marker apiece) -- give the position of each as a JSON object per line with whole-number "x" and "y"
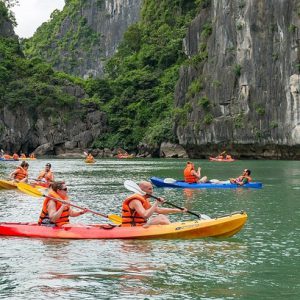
{"x": 224, "y": 226}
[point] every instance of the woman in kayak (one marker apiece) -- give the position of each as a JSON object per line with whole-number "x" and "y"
{"x": 46, "y": 176}
{"x": 55, "y": 213}
{"x": 137, "y": 209}
{"x": 191, "y": 176}
{"x": 20, "y": 174}
{"x": 243, "y": 179}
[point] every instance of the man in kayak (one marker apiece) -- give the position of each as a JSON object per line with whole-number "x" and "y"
{"x": 46, "y": 176}
{"x": 243, "y": 179}
{"x": 191, "y": 176}
{"x": 20, "y": 174}
{"x": 137, "y": 210}
{"x": 55, "y": 213}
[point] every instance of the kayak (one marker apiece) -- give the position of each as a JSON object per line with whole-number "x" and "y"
{"x": 87, "y": 161}
{"x": 8, "y": 184}
{"x": 172, "y": 183}
{"x": 8, "y": 159}
{"x": 221, "y": 159}
{"x": 224, "y": 226}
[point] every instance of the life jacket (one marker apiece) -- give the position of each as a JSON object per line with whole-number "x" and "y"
{"x": 240, "y": 178}
{"x": 48, "y": 176}
{"x": 44, "y": 217}
{"x": 20, "y": 174}
{"x": 6, "y": 156}
{"x": 228, "y": 156}
{"x": 23, "y": 156}
{"x": 188, "y": 177}
{"x": 32, "y": 155}
{"x": 129, "y": 216}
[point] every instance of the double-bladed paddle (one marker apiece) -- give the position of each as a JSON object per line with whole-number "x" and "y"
{"x": 28, "y": 189}
{"x": 133, "y": 187}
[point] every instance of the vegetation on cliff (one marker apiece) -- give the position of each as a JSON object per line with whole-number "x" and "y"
{"x": 137, "y": 91}
{"x": 29, "y": 83}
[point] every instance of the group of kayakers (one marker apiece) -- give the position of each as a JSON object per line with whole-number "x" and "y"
{"x": 20, "y": 174}
{"x": 193, "y": 176}
{"x": 16, "y": 156}
{"x": 136, "y": 209}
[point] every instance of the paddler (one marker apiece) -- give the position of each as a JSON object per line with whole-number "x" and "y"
{"x": 55, "y": 213}
{"x": 46, "y": 176}
{"x": 191, "y": 176}
{"x": 138, "y": 211}
{"x": 21, "y": 172}
{"x": 243, "y": 179}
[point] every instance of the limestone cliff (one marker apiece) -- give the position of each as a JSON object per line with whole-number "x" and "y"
{"x": 240, "y": 91}
{"x": 84, "y": 35}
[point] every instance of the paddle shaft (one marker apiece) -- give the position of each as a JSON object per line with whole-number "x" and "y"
{"x": 79, "y": 207}
{"x": 167, "y": 202}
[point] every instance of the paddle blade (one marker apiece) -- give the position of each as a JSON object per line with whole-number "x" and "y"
{"x": 115, "y": 219}
{"x": 85, "y": 153}
{"x": 169, "y": 180}
{"x": 133, "y": 187}
{"x": 28, "y": 189}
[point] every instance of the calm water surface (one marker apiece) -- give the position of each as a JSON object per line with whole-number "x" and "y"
{"x": 260, "y": 262}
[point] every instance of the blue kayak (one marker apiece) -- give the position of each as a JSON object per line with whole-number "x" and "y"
{"x": 172, "y": 183}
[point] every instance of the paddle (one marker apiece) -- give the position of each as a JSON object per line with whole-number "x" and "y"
{"x": 169, "y": 180}
{"x": 133, "y": 187}
{"x": 26, "y": 188}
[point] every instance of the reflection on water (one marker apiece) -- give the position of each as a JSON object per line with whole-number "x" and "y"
{"x": 261, "y": 262}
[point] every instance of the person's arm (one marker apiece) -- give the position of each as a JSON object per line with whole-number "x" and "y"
{"x": 12, "y": 175}
{"x": 41, "y": 175}
{"x": 197, "y": 174}
{"x": 74, "y": 213}
{"x": 54, "y": 214}
{"x": 144, "y": 213}
{"x": 166, "y": 211}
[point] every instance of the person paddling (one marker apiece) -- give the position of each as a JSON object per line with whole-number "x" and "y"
{"x": 55, "y": 213}
{"x": 138, "y": 211}
{"x": 90, "y": 158}
{"x": 243, "y": 179}
{"x": 191, "y": 176}
{"x": 46, "y": 176}
{"x": 21, "y": 173}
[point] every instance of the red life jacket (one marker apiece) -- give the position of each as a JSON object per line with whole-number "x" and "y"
{"x": 188, "y": 177}
{"x": 44, "y": 216}
{"x": 130, "y": 217}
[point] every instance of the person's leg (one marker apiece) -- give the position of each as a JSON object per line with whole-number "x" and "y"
{"x": 203, "y": 179}
{"x": 158, "y": 220}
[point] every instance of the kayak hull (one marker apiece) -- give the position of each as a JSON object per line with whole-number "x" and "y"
{"x": 160, "y": 182}
{"x": 221, "y": 160}
{"x": 224, "y": 226}
{"x": 8, "y": 184}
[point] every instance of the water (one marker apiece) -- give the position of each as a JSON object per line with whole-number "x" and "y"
{"x": 260, "y": 262}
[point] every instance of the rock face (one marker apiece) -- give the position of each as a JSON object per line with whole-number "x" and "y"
{"x": 241, "y": 89}
{"x": 104, "y": 23}
{"x": 21, "y": 130}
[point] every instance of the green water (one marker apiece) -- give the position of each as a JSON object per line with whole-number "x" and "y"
{"x": 260, "y": 262}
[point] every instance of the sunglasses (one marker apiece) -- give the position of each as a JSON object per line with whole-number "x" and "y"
{"x": 65, "y": 189}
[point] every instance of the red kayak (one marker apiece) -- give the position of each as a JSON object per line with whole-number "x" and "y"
{"x": 224, "y": 226}
{"x": 221, "y": 159}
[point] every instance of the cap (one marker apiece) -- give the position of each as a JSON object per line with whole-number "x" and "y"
{"x": 48, "y": 165}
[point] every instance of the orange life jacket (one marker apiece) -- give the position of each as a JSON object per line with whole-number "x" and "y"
{"x": 48, "y": 176}
{"x": 6, "y": 156}
{"x": 130, "y": 217}
{"x": 188, "y": 177}
{"x": 23, "y": 156}
{"x": 21, "y": 173}
{"x": 44, "y": 217}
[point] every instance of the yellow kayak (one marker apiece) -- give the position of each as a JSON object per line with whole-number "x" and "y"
{"x": 8, "y": 184}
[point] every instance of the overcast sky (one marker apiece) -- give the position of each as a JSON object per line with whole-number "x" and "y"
{"x": 30, "y": 14}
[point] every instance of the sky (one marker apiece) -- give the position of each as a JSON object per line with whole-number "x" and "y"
{"x": 30, "y": 14}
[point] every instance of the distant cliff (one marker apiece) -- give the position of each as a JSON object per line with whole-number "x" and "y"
{"x": 241, "y": 88}
{"x": 41, "y": 110}
{"x": 84, "y": 35}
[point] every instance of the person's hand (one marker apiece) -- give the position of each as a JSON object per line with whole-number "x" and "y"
{"x": 184, "y": 210}
{"x": 84, "y": 211}
{"x": 161, "y": 200}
